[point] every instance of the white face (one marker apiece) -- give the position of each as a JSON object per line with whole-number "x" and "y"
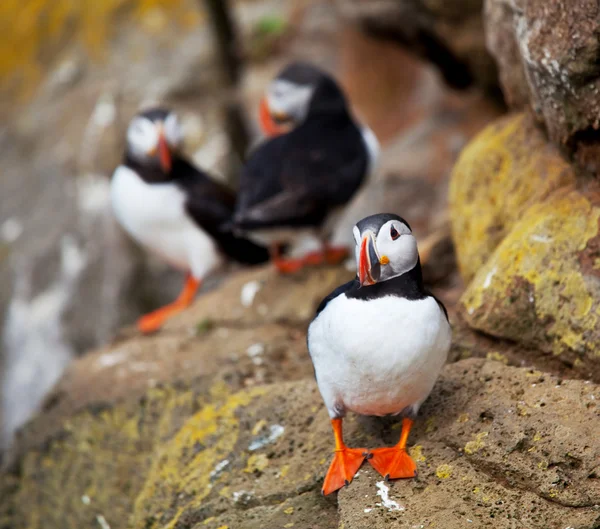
{"x": 396, "y": 247}
{"x": 288, "y": 100}
{"x": 143, "y": 135}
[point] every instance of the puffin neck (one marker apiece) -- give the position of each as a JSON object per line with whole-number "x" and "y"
{"x": 408, "y": 285}
{"x": 151, "y": 174}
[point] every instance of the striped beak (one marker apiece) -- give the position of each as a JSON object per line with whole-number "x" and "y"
{"x": 164, "y": 153}
{"x": 369, "y": 267}
{"x": 272, "y": 125}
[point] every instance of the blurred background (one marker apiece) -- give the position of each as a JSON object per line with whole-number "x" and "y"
{"x": 72, "y": 74}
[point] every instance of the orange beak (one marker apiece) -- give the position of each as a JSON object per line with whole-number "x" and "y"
{"x": 369, "y": 268}
{"x": 164, "y": 153}
{"x": 269, "y": 126}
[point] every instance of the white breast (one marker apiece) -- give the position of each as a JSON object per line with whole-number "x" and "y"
{"x": 373, "y": 149}
{"x": 155, "y": 216}
{"x": 380, "y": 356}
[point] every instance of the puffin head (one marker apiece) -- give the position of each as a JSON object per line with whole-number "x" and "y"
{"x": 385, "y": 248}
{"x": 300, "y": 89}
{"x": 153, "y": 136}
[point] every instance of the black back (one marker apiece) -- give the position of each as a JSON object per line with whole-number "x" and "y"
{"x": 298, "y": 178}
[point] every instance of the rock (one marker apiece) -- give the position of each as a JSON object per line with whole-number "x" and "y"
{"x": 450, "y": 35}
{"x": 555, "y": 68}
{"x": 540, "y": 286}
{"x": 493, "y": 443}
{"x": 506, "y": 169}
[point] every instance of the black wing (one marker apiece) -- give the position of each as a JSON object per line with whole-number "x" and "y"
{"x": 342, "y": 289}
{"x": 211, "y": 204}
{"x": 298, "y": 178}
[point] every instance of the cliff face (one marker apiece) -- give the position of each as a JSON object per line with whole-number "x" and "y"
{"x": 217, "y": 422}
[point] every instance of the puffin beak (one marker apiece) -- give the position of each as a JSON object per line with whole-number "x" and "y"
{"x": 164, "y": 153}
{"x": 369, "y": 267}
{"x": 269, "y": 125}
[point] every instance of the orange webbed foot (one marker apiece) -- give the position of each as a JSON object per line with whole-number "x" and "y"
{"x": 336, "y": 254}
{"x": 344, "y": 466}
{"x": 288, "y": 266}
{"x": 152, "y": 322}
{"x": 393, "y": 463}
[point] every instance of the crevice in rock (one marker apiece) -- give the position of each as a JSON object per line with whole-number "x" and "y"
{"x": 496, "y": 473}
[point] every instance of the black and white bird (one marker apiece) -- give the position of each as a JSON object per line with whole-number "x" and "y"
{"x": 378, "y": 344}
{"x": 295, "y": 184}
{"x": 174, "y": 209}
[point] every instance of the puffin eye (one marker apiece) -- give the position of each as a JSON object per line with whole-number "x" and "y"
{"x": 394, "y": 233}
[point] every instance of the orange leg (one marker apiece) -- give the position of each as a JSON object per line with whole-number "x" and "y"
{"x": 330, "y": 255}
{"x": 284, "y": 266}
{"x": 394, "y": 462}
{"x": 346, "y": 461}
{"x": 153, "y": 322}
{"x": 335, "y": 254}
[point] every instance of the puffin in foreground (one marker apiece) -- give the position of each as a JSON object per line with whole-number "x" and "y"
{"x": 378, "y": 344}
{"x": 295, "y": 183}
{"x": 174, "y": 209}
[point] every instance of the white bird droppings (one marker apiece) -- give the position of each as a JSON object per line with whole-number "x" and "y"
{"x": 384, "y": 492}
{"x": 368, "y": 510}
{"x": 110, "y": 359}
{"x": 488, "y": 278}
{"x": 219, "y": 468}
{"x": 248, "y": 293}
{"x": 275, "y": 431}
{"x": 102, "y": 522}
{"x": 11, "y": 230}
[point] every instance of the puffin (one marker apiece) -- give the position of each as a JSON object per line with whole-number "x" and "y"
{"x": 295, "y": 184}
{"x": 378, "y": 344}
{"x": 174, "y": 209}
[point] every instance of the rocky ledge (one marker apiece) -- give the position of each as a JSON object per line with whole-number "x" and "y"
{"x": 217, "y": 423}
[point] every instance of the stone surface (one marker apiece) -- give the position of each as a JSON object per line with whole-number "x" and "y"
{"x": 448, "y": 34}
{"x": 494, "y": 444}
{"x": 547, "y": 53}
{"x": 540, "y": 286}
{"x": 507, "y": 168}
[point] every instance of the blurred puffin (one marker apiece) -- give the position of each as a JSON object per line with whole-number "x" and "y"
{"x": 295, "y": 183}
{"x": 378, "y": 344}
{"x": 174, "y": 209}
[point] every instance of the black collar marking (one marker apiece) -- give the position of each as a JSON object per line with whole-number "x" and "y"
{"x": 407, "y": 286}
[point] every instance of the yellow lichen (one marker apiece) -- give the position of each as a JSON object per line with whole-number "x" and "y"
{"x": 503, "y": 171}
{"x": 256, "y": 462}
{"x": 543, "y": 250}
{"x": 444, "y": 471}
{"x": 497, "y": 357}
{"x": 215, "y": 429}
{"x": 463, "y": 417}
{"x": 477, "y": 444}
{"x": 416, "y": 452}
{"x": 289, "y": 510}
{"x": 430, "y": 424}
{"x": 284, "y": 471}
{"x": 259, "y": 426}
{"x": 41, "y": 29}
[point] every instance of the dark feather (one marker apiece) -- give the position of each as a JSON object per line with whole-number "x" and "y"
{"x": 297, "y": 179}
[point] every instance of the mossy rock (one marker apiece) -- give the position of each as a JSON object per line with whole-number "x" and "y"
{"x": 492, "y": 444}
{"x": 541, "y": 287}
{"x": 503, "y": 171}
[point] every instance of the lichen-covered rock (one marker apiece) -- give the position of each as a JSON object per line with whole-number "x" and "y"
{"x": 540, "y": 286}
{"x": 493, "y": 444}
{"x": 556, "y": 66}
{"x": 503, "y": 171}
